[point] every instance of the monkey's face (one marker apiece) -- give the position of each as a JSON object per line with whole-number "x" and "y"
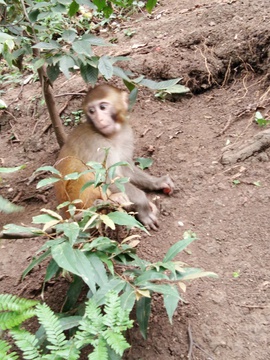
{"x": 102, "y": 115}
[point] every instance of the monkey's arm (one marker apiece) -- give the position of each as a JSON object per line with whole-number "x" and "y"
{"x": 147, "y": 211}
{"x": 145, "y": 181}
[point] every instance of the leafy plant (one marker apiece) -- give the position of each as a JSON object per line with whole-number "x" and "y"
{"x": 46, "y": 33}
{"x": 82, "y": 247}
{"x": 103, "y": 330}
{"x": 260, "y": 119}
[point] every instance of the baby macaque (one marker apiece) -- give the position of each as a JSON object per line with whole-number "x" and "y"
{"x": 107, "y": 126}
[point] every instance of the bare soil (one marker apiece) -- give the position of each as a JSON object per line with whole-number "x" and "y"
{"x": 221, "y": 49}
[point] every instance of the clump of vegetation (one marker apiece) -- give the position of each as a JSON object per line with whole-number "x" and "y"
{"x": 82, "y": 247}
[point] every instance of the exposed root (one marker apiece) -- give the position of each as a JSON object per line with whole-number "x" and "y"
{"x": 257, "y": 143}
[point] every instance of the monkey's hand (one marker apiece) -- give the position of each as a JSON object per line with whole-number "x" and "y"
{"x": 148, "y": 216}
{"x": 166, "y": 184}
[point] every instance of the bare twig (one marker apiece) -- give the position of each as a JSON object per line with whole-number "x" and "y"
{"x": 190, "y": 341}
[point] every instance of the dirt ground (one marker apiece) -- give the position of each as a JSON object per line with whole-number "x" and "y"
{"x": 221, "y": 49}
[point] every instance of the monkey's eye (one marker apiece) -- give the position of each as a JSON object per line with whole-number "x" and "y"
{"x": 91, "y": 110}
{"x": 103, "y": 106}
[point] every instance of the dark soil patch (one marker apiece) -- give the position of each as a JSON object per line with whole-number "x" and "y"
{"x": 219, "y": 46}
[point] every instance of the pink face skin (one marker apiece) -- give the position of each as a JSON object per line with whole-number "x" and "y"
{"x": 102, "y": 114}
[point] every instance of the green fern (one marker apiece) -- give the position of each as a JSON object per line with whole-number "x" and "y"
{"x": 4, "y": 348}
{"x": 10, "y": 302}
{"x": 52, "y": 326}
{"x": 105, "y": 330}
{"x": 27, "y": 342}
{"x": 9, "y": 320}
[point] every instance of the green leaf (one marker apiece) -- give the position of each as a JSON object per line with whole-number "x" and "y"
{"x": 105, "y": 67}
{"x": 33, "y": 15}
{"x": 82, "y": 47}
{"x": 128, "y": 298}
{"x": 11, "y": 170}
{"x": 144, "y": 163}
{"x": 114, "y": 284}
{"x": 194, "y": 273}
{"x": 73, "y": 8}
{"x": 38, "y": 64}
{"x": 52, "y": 45}
{"x": 73, "y": 293}
{"x": 132, "y": 98}
{"x": 53, "y": 72}
{"x": 70, "y": 322}
{"x": 51, "y": 169}
{"x": 117, "y": 71}
{"x": 88, "y": 266}
{"x": 162, "y": 85}
{"x": 47, "y": 181}
{"x": 178, "y": 247}
{"x": 66, "y": 62}
{"x": 171, "y": 302}
{"x": 150, "y": 275}
{"x": 107, "y": 221}
{"x": 51, "y": 270}
{"x": 177, "y": 89}
{"x": 71, "y": 230}
{"x": 122, "y": 218}
{"x": 94, "y": 40}
{"x": 150, "y": 5}
{"x": 8, "y": 207}
{"x": 36, "y": 261}
{"x": 143, "y": 310}
{"x": 89, "y": 73}
{"x": 4, "y": 37}
{"x": 42, "y": 219}
{"x": 17, "y": 229}
{"x": 69, "y": 35}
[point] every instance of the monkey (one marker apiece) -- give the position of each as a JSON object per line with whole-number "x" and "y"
{"x": 106, "y": 109}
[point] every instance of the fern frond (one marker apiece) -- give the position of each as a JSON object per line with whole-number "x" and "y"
{"x": 52, "y": 326}
{"x": 9, "y": 320}
{"x": 27, "y": 342}
{"x": 4, "y": 348}
{"x": 10, "y": 302}
{"x": 100, "y": 352}
{"x": 116, "y": 341}
{"x": 93, "y": 312}
{"x": 70, "y": 353}
{"x": 112, "y": 309}
{"x": 116, "y": 318}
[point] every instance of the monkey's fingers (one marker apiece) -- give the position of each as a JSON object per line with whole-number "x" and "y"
{"x": 167, "y": 185}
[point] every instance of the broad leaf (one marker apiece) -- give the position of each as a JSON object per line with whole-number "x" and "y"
{"x": 105, "y": 67}
{"x": 89, "y": 73}
{"x": 82, "y": 47}
{"x": 36, "y": 261}
{"x": 122, "y": 218}
{"x": 114, "y": 284}
{"x": 52, "y": 45}
{"x": 171, "y": 302}
{"x": 78, "y": 263}
{"x": 143, "y": 310}
{"x": 69, "y": 35}
{"x": 66, "y": 62}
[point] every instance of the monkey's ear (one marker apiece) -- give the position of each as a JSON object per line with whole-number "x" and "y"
{"x": 125, "y": 100}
